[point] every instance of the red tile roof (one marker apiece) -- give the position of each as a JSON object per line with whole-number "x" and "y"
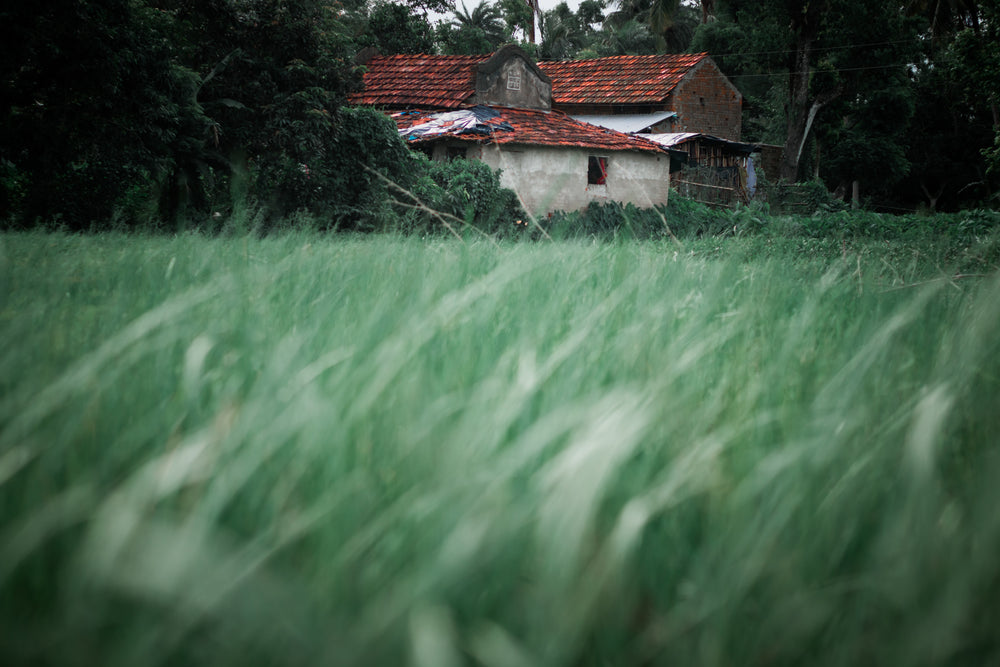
{"x": 523, "y": 126}
{"x": 442, "y": 82}
{"x": 618, "y": 79}
{"x": 447, "y": 82}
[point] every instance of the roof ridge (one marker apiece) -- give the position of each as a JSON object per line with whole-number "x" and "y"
{"x": 455, "y": 56}
{"x": 653, "y": 56}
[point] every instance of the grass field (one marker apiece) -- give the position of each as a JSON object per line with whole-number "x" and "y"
{"x": 306, "y": 450}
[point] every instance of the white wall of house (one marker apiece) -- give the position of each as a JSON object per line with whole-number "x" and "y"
{"x": 550, "y": 178}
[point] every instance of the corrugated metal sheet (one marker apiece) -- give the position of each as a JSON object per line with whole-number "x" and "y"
{"x": 516, "y": 126}
{"x": 618, "y": 79}
{"x": 671, "y": 138}
{"x": 674, "y": 138}
{"x": 627, "y": 122}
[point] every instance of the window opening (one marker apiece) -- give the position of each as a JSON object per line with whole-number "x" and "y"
{"x": 457, "y": 152}
{"x": 597, "y": 170}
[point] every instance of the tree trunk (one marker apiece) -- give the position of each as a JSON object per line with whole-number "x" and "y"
{"x": 806, "y": 16}
{"x": 932, "y": 199}
{"x": 535, "y": 9}
{"x": 798, "y": 138}
{"x": 798, "y": 112}
{"x": 707, "y": 10}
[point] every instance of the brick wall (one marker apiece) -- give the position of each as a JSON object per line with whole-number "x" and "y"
{"x": 706, "y": 102}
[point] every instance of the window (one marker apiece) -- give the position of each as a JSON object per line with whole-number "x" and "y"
{"x": 457, "y": 152}
{"x": 514, "y": 81}
{"x": 597, "y": 170}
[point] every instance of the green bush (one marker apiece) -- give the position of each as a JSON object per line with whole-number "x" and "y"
{"x": 345, "y": 184}
{"x": 456, "y": 193}
{"x": 680, "y": 218}
{"x": 684, "y": 218}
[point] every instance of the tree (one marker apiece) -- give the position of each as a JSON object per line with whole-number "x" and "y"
{"x": 707, "y": 10}
{"x": 193, "y": 102}
{"x": 901, "y": 102}
{"x": 92, "y": 105}
{"x": 629, "y": 38}
{"x": 562, "y": 34}
{"x": 536, "y": 12}
{"x": 481, "y": 30}
{"x": 394, "y": 28}
{"x": 591, "y": 13}
{"x": 947, "y": 17}
{"x": 671, "y": 22}
{"x": 519, "y": 17}
{"x": 797, "y": 57}
{"x": 805, "y": 18}
{"x": 779, "y": 37}
{"x": 958, "y": 84}
{"x": 273, "y": 78}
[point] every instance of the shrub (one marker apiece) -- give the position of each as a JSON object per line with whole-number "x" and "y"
{"x": 345, "y": 185}
{"x": 466, "y": 192}
{"x": 679, "y": 218}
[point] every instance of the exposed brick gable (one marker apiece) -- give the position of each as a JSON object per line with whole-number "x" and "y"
{"x": 706, "y": 102}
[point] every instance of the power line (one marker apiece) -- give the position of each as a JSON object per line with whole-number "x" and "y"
{"x": 824, "y": 48}
{"x": 843, "y": 69}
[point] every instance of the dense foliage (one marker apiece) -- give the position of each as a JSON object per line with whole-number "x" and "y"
{"x": 164, "y": 112}
{"x": 457, "y": 195}
{"x": 146, "y": 111}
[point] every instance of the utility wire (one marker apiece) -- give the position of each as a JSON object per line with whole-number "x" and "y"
{"x": 824, "y": 48}
{"x": 843, "y": 69}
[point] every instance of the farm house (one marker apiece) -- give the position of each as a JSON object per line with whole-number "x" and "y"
{"x": 499, "y": 110}
{"x": 552, "y": 161}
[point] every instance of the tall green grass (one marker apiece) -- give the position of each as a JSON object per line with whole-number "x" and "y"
{"x": 304, "y": 451}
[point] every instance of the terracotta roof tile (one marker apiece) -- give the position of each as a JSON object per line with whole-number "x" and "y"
{"x": 618, "y": 79}
{"x": 523, "y": 126}
{"x": 447, "y": 82}
{"x": 443, "y": 82}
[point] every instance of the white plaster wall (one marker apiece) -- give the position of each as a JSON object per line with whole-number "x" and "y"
{"x": 555, "y": 178}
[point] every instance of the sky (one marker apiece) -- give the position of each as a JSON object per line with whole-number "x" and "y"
{"x": 546, "y": 5}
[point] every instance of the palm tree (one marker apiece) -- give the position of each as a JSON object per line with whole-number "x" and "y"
{"x": 628, "y": 38}
{"x": 660, "y": 16}
{"x": 485, "y": 18}
{"x": 668, "y": 20}
{"x": 561, "y": 35}
{"x": 481, "y": 30}
{"x": 519, "y": 16}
